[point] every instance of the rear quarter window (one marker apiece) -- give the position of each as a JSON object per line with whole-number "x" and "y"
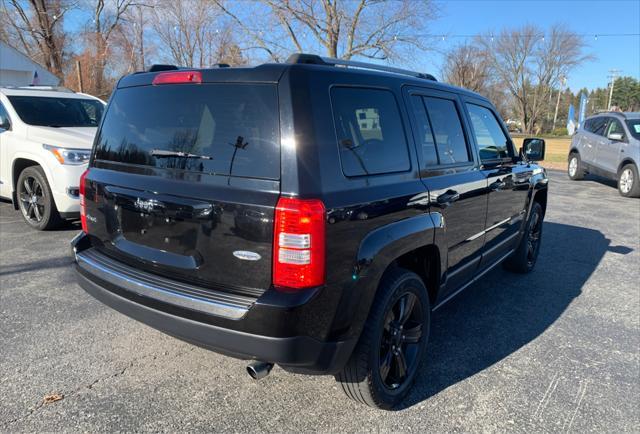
{"x": 234, "y": 126}
{"x": 370, "y": 132}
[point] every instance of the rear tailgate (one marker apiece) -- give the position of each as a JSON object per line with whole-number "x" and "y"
{"x": 185, "y": 180}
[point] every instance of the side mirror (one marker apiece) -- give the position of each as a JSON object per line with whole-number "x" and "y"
{"x": 615, "y": 136}
{"x": 532, "y": 149}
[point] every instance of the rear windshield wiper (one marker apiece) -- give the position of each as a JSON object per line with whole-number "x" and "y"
{"x": 167, "y": 154}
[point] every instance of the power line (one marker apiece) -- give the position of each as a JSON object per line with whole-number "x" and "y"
{"x": 444, "y": 36}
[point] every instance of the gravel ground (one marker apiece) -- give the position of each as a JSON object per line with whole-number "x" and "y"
{"x": 556, "y": 350}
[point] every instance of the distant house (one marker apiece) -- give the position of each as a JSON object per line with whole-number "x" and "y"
{"x": 16, "y": 69}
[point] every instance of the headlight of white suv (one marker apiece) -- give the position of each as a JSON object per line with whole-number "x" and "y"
{"x": 69, "y": 156}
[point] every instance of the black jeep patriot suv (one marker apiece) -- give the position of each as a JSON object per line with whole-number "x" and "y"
{"x": 310, "y": 214}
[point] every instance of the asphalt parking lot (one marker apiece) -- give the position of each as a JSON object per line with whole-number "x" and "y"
{"x": 556, "y": 350}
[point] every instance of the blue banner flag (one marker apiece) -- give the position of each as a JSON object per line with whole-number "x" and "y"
{"x": 571, "y": 122}
{"x": 583, "y": 108}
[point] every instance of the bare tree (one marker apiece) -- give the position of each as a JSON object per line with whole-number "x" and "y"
{"x": 129, "y": 43}
{"x": 106, "y": 15}
{"x": 195, "y": 33}
{"x": 374, "y": 29}
{"x": 530, "y": 64}
{"x": 35, "y": 27}
{"x": 466, "y": 66}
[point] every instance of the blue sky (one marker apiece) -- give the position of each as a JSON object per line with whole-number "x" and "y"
{"x": 470, "y": 17}
{"x": 583, "y": 17}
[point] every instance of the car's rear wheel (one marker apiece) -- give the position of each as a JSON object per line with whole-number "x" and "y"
{"x": 574, "y": 167}
{"x": 628, "y": 181}
{"x": 384, "y": 364}
{"x": 35, "y": 199}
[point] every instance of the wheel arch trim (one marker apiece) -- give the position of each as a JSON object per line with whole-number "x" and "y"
{"x": 624, "y": 162}
{"x": 37, "y": 161}
{"x": 377, "y": 251}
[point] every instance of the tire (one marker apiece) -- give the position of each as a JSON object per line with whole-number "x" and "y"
{"x": 575, "y": 172}
{"x": 628, "y": 181}
{"x": 523, "y": 260}
{"x": 35, "y": 199}
{"x": 363, "y": 378}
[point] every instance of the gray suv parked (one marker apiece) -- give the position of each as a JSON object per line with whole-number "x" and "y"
{"x": 608, "y": 145}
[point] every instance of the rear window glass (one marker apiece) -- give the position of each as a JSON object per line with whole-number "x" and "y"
{"x": 221, "y": 129}
{"x": 57, "y": 112}
{"x": 370, "y": 132}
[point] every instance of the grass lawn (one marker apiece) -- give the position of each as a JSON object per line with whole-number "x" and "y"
{"x": 556, "y": 151}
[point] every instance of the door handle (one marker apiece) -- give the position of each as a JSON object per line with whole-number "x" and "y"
{"x": 497, "y": 185}
{"x": 448, "y": 197}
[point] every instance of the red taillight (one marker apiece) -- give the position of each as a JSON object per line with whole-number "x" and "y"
{"x": 83, "y": 205}
{"x": 174, "y": 77}
{"x": 298, "y": 243}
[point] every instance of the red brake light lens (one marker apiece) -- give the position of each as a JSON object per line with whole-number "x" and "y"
{"x": 174, "y": 77}
{"x": 83, "y": 210}
{"x": 299, "y": 243}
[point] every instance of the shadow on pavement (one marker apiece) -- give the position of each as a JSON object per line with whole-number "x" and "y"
{"x": 59, "y": 262}
{"x": 504, "y": 312}
{"x": 601, "y": 180}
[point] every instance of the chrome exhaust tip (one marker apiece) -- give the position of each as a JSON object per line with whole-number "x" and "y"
{"x": 258, "y": 370}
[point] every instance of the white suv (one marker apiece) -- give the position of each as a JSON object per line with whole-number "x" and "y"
{"x": 46, "y": 136}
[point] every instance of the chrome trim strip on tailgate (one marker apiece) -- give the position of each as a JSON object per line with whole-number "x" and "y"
{"x": 91, "y": 263}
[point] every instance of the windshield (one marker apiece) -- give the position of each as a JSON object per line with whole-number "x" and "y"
{"x": 634, "y": 127}
{"x": 57, "y": 112}
{"x": 221, "y": 129}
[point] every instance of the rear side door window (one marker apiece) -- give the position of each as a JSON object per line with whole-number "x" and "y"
{"x": 370, "y": 132}
{"x": 597, "y": 125}
{"x": 491, "y": 139}
{"x": 448, "y": 134}
{"x": 423, "y": 133}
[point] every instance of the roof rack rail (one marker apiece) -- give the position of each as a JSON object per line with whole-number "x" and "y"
{"x": 313, "y": 59}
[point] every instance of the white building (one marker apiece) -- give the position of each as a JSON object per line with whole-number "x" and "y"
{"x": 16, "y": 69}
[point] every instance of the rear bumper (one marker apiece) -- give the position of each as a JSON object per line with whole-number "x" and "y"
{"x": 304, "y": 354}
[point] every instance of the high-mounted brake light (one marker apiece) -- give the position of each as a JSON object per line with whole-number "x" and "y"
{"x": 174, "y": 77}
{"x": 83, "y": 204}
{"x": 299, "y": 243}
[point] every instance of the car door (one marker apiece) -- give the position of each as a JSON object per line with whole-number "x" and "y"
{"x": 449, "y": 169}
{"x": 594, "y": 139}
{"x": 507, "y": 180}
{"x": 607, "y": 154}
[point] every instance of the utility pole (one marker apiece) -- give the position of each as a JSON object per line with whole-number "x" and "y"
{"x": 79, "y": 74}
{"x": 563, "y": 83}
{"x": 613, "y": 75}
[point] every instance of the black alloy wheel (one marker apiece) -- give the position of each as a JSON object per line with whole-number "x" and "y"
{"x": 31, "y": 196}
{"x": 386, "y": 360}
{"x": 524, "y": 258}
{"x": 400, "y": 339}
{"x": 533, "y": 240}
{"x": 35, "y": 199}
